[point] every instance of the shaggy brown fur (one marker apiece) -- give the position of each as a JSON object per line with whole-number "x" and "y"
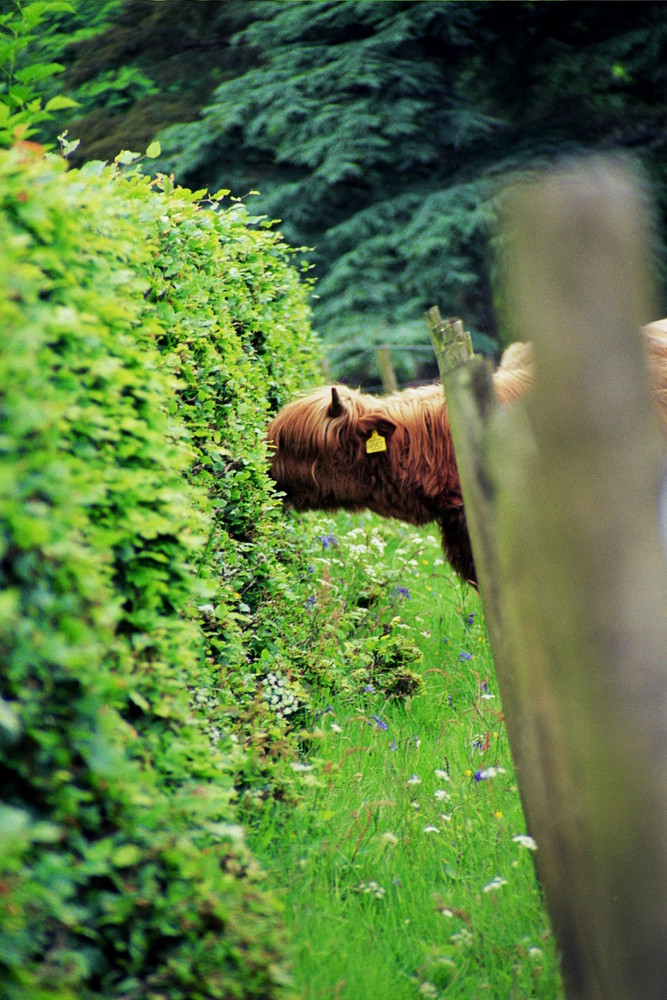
{"x": 655, "y": 346}
{"x": 320, "y": 459}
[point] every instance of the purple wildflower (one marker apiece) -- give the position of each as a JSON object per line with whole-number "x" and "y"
{"x": 328, "y": 541}
{"x": 470, "y": 619}
{"x": 369, "y": 689}
{"x": 310, "y": 602}
{"x": 465, "y": 656}
{"x": 380, "y": 723}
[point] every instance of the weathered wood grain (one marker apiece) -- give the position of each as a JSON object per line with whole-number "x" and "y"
{"x": 563, "y": 497}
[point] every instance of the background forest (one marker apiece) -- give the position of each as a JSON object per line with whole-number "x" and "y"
{"x": 376, "y": 133}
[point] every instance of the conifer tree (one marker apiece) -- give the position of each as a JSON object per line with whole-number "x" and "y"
{"x": 378, "y": 133}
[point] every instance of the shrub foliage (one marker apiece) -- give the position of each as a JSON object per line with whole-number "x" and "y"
{"x": 145, "y": 337}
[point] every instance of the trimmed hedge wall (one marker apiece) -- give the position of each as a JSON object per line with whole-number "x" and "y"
{"x": 145, "y": 338}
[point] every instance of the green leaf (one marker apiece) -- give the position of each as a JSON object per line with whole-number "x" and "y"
{"x": 154, "y": 150}
{"x": 13, "y": 822}
{"x": 60, "y": 103}
{"x": 30, "y": 74}
{"x": 10, "y": 724}
{"x": 126, "y": 855}
{"x": 138, "y": 699}
{"x": 126, "y": 157}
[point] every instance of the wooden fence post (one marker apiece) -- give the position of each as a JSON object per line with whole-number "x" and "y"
{"x": 387, "y": 373}
{"x": 562, "y": 495}
{"x": 452, "y": 344}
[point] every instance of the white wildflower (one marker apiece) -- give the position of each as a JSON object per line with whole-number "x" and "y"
{"x": 494, "y": 884}
{"x": 371, "y": 888}
{"x": 523, "y": 840}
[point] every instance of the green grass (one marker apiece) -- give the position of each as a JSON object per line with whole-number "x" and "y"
{"x": 397, "y": 862}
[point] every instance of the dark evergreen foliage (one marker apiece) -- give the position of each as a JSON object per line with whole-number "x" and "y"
{"x": 378, "y": 132}
{"x": 136, "y": 66}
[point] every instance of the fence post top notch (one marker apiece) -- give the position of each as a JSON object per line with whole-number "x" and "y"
{"x": 451, "y": 343}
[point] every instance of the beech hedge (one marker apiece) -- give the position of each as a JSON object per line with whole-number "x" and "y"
{"x": 147, "y": 333}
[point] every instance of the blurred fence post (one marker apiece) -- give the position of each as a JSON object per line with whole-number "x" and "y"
{"x": 387, "y": 373}
{"x": 452, "y": 344}
{"x": 562, "y": 495}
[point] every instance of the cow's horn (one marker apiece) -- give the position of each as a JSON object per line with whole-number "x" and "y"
{"x": 336, "y": 409}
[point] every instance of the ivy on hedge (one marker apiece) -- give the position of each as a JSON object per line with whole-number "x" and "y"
{"x": 144, "y": 340}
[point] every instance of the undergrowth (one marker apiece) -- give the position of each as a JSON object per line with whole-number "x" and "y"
{"x": 403, "y": 860}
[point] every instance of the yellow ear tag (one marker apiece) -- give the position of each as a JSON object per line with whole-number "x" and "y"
{"x": 375, "y": 443}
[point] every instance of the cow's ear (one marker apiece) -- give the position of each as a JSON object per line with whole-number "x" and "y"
{"x": 378, "y": 423}
{"x": 336, "y": 408}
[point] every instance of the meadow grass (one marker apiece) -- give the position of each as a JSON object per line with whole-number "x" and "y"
{"x": 403, "y": 864}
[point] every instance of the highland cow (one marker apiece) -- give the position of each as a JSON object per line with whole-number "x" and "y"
{"x": 338, "y": 448}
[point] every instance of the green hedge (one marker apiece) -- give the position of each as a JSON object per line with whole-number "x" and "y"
{"x": 145, "y": 338}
